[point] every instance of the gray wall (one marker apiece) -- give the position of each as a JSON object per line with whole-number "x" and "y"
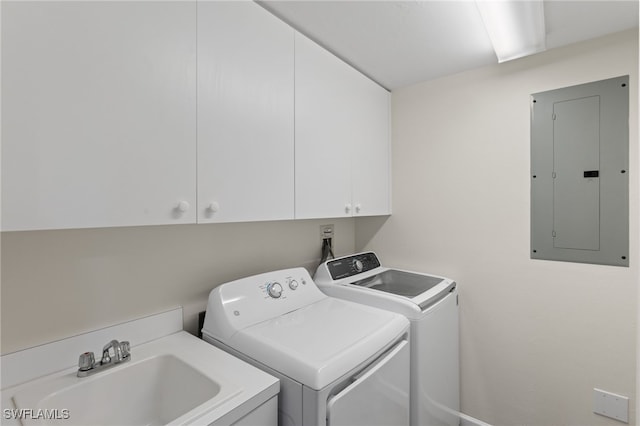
{"x": 60, "y": 283}
{"x": 536, "y": 336}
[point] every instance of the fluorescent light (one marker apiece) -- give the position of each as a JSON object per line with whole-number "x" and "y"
{"x": 516, "y": 27}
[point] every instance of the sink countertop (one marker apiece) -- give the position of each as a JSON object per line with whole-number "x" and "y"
{"x": 242, "y": 385}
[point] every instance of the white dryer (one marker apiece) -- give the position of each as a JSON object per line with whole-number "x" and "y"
{"x": 339, "y": 363}
{"x": 430, "y": 303}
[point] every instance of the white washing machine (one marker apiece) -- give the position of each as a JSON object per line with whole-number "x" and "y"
{"x": 431, "y": 304}
{"x": 339, "y": 362}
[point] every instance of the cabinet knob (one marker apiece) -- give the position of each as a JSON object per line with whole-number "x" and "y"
{"x": 182, "y": 206}
{"x": 347, "y": 208}
{"x": 358, "y": 208}
{"x": 213, "y": 207}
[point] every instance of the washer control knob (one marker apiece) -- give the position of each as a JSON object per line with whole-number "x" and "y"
{"x": 357, "y": 265}
{"x": 293, "y": 284}
{"x": 274, "y": 289}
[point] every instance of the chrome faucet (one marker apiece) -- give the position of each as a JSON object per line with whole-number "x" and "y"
{"x": 87, "y": 364}
{"x": 117, "y": 352}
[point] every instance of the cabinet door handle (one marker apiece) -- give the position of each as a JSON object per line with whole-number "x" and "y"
{"x": 358, "y": 208}
{"x": 182, "y": 206}
{"x": 347, "y": 208}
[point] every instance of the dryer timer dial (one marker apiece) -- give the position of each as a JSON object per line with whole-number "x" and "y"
{"x": 274, "y": 289}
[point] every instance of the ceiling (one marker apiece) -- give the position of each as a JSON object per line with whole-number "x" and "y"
{"x": 399, "y": 43}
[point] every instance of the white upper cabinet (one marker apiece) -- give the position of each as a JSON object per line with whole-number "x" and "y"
{"x": 371, "y": 149}
{"x": 147, "y": 113}
{"x": 342, "y": 145}
{"x": 245, "y": 114}
{"x": 98, "y": 114}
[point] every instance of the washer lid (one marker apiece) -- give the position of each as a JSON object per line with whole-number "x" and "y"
{"x": 362, "y": 279}
{"x": 400, "y": 282}
{"x": 319, "y": 343}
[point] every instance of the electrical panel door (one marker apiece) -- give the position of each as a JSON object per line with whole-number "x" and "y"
{"x": 579, "y": 173}
{"x": 576, "y": 185}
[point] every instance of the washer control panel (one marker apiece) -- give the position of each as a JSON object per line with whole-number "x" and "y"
{"x": 352, "y": 265}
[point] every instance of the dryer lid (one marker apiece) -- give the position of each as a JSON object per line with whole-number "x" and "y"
{"x": 321, "y": 342}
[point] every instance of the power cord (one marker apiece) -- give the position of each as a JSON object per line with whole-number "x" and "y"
{"x": 326, "y": 251}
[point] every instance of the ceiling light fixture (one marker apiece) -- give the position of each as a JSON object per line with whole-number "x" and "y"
{"x": 516, "y": 27}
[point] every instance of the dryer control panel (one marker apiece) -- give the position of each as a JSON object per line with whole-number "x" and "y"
{"x": 352, "y": 265}
{"x": 248, "y": 301}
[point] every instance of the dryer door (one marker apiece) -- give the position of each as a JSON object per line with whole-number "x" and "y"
{"x": 379, "y": 395}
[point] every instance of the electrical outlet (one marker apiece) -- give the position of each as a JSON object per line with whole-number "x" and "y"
{"x": 611, "y": 405}
{"x": 326, "y": 231}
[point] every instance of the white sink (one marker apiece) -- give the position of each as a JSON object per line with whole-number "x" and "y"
{"x": 154, "y": 391}
{"x": 177, "y": 379}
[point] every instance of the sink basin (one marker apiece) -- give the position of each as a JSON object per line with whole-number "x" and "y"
{"x": 154, "y": 391}
{"x": 174, "y": 380}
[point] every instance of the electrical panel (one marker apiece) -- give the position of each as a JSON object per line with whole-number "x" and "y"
{"x": 579, "y": 173}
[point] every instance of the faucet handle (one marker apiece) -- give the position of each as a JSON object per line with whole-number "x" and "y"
{"x": 126, "y": 349}
{"x": 87, "y": 361}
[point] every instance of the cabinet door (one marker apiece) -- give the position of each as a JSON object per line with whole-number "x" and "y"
{"x": 245, "y": 114}
{"x": 98, "y": 114}
{"x": 371, "y": 157}
{"x": 324, "y": 132}
{"x": 342, "y": 138}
